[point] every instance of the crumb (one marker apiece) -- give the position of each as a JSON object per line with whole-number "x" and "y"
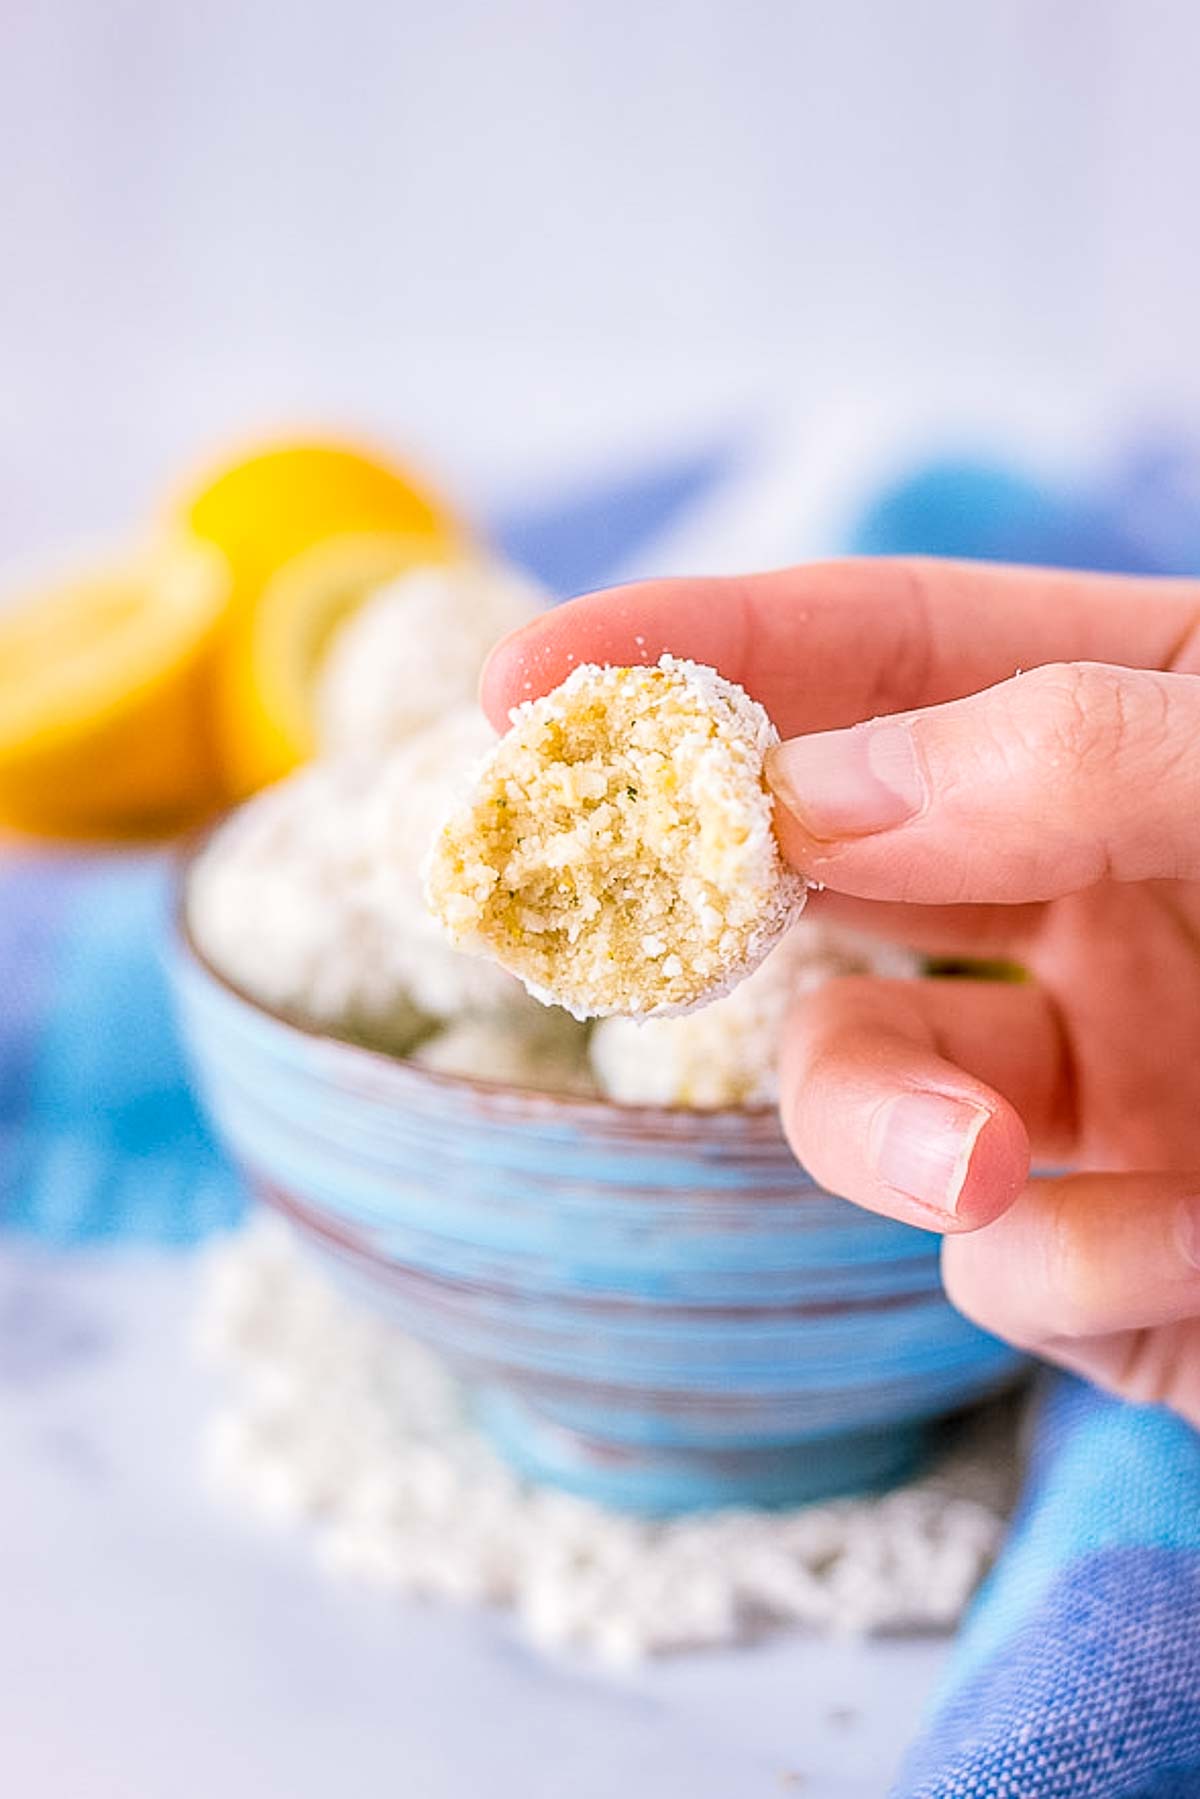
{"x": 618, "y": 853}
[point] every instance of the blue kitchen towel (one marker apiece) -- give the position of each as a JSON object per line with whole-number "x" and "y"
{"x": 100, "y": 1136}
{"x": 1133, "y": 513}
{"x": 1077, "y": 1674}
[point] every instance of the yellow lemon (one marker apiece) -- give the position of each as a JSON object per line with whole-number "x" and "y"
{"x": 105, "y": 694}
{"x": 275, "y": 501}
{"x": 263, "y": 510}
{"x": 275, "y": 648}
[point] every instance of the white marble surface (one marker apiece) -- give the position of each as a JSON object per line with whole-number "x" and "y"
{"x": 156, "y": 1645}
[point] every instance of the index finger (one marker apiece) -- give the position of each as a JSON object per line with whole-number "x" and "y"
{"x": 834, "y": 643}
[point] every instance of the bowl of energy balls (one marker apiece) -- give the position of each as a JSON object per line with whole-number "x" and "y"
{"x": 493, "y": 1025}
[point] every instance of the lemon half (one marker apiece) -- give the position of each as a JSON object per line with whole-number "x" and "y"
{"x": 278, "y": 502}
{"x": 279, "y": 498}
{"x": 105, "y": 687}
{"x": 267, "y": 699}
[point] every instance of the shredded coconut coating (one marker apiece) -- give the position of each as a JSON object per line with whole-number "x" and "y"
{"x": 309, "y": 898}
{"x": 727, "y": 1054}
{"x": 337, "y": 1420}
{"x": 618, "y": 853}
{"x": 414, "y": 650}
{"x": 541, "y": 1047}
{"x": 277, "y": 903}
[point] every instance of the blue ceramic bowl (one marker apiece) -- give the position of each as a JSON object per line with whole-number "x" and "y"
{"x": 654, "y": 1308}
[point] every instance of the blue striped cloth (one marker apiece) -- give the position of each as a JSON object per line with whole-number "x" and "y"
{"x": 1078, "y": 1673}
{"x": 100, "y": 1136}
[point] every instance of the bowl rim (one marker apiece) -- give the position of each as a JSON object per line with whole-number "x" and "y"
{"x": 656, "y": 1121}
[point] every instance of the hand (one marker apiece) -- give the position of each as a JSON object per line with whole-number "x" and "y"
{"x": 1032, "y": 792}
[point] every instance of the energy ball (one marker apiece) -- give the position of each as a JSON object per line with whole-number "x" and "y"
{"x": 309, "y": 898}
{"x": 547, "y": 1052}
{"x": 618, "y": 852}
{"x": 276, "y": 904}
{"x": 413, "y": 650}
{"x": 727, "y": 1054}
{"x": 414, "y": 785}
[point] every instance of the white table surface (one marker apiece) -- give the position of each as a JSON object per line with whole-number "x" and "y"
{"x": 155, "y": 1644}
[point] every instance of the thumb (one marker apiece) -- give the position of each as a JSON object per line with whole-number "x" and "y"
{"x": 1032, "y": 789}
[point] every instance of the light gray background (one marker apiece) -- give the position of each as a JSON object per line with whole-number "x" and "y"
{"x": 524, "y": 234}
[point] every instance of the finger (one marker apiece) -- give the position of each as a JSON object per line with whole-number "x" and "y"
{"x": 910, "y": 1097}
{"x": 968, "y": 931}
{"x": 831, "y": 644}
{"x": 1039, "y": 787}
{"x": 1083, "y": 1257}
{"x": 1150, "y": 1365}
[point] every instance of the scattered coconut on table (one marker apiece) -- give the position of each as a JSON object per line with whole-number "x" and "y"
{"x": 335, "y": 1419}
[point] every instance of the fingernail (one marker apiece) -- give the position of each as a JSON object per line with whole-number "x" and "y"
{"x": 921, "y": 1145}
{"x": 849, "y": 783}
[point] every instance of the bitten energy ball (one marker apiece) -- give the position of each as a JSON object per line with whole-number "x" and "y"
{"x": 618, "y": 853}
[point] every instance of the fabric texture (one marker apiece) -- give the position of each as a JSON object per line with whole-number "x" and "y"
{"x": 101, "y": 1138}
{"x": 1077, "y": 1674}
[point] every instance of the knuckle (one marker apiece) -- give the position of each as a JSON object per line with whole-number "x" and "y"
{"x": 837, "y": 997}
{"x": 1079, "y": 720}
{"x": 809, "y": 1029}
{"x": 831, "y": 1031}
{"x": 911, "y": 650}
{"x": 1047, "y": 1286}
{"x": 1148, "y": 1370}
{"x": 1087, "y": 717}
{"x": 825, "y": 1015}
{"x": 1076, "y": 1287}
